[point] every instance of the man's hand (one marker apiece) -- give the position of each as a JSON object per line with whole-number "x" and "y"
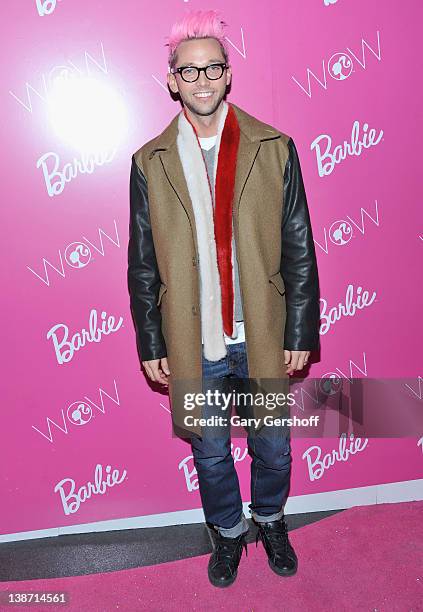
{"x": 158, "y": 370}
{"x": 296, "y": 360}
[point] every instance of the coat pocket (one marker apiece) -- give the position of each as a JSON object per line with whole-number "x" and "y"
{"x": 277, "y": 281}
{"x": 162, "y": 291}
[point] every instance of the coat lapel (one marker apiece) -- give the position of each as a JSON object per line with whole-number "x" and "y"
{"x": 165, "y": 146}
{"x": 247, "y": 152}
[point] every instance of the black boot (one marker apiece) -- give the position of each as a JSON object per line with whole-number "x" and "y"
{"x": 281, "y": 556}
{"x": 225, "y": 558}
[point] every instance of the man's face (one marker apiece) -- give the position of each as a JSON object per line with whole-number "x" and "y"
{"x": 200, "y": 52}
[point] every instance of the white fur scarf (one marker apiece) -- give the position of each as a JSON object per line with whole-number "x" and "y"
{"x": 195, "y": 172}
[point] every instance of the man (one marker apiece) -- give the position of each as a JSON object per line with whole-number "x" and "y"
{"x": 223, "y": 278}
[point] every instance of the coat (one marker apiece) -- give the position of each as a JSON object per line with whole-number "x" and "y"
{"x": 274, "y": 244}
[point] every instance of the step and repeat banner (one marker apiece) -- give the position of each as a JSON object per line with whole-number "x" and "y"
{"x": 85, "y": 438}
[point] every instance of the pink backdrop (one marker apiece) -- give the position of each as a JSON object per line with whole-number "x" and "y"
{"x": 78, "y": 74}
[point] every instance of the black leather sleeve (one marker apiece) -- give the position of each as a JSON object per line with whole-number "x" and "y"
{"x": 143, "y": 274}
{"x": 298, "y": 262}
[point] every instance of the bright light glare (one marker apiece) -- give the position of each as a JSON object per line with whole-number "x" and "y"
{"x": 87, "y": 114}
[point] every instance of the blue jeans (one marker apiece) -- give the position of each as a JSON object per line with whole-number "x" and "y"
{"x": 270, "y": 451}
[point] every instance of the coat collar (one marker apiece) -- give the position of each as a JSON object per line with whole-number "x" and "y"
{"x": 252, "y": 128}
{"x": 252, "y": 133}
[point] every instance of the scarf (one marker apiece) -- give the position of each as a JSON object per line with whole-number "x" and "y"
{"x": 214, "y": 228}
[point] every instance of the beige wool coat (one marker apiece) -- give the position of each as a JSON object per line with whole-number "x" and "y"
{"x": 258, "y": 207}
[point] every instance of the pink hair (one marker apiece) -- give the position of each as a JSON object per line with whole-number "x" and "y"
{"x": 197, "y": 24}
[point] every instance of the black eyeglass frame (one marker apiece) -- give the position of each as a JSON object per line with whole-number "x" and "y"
{"x": 223, "y": 65}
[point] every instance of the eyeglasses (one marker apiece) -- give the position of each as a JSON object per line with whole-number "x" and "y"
{"x": 190, "y": 74}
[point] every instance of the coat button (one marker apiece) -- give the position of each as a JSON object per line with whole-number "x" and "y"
{"x": 194, "y": 261}
{"x": 194, "y": 310}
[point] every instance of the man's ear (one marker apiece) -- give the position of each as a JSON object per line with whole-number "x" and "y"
{"x": 172, "y": 83}
{"x": 229, "y": 76}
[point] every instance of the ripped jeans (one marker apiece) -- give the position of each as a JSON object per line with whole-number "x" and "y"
{"x": 269, "y": 448}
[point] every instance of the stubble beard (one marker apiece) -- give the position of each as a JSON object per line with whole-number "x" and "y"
{"x": 203, "y": 112}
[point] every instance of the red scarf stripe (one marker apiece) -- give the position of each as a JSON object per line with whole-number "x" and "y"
{"x": 224, "y": 192}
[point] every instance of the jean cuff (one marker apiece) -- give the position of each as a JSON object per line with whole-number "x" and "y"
{"x": 234, "y": 532}
{"x": 266, "y": 519}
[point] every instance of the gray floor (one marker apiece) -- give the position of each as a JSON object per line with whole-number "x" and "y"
{"x": 75, "y": 555}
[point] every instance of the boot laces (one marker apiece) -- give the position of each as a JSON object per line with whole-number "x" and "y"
{"x": 278, "y": 539}
{"x": 227, "y": 547}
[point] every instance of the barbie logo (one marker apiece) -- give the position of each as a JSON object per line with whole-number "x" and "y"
{"x": 340, "y": 66}
{"x": 190, "y": 473}
{"x": 56, "y": 178}
{"x": 45, "y": 7}
{"x": 327, "y": 159}
{"x": 65, "y": 349}
{"x": 79, "y": 413}
{"x": 349, "y": 309}
{"x": 340, "y": 232}
{"x": 72, "y": 499}
{"x": 318, "y": 464}
{"x": 78, "y": 255}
